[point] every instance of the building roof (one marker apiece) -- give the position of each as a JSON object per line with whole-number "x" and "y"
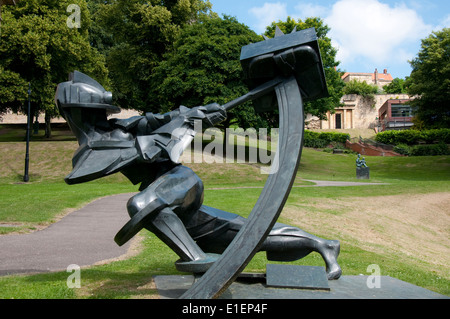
{"x": 381, "y": 76}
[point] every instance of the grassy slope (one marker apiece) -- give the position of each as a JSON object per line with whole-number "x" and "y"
{"x": 33, "y": 204}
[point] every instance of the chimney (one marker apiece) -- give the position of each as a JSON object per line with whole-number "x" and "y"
{"x": 376, "y": 76}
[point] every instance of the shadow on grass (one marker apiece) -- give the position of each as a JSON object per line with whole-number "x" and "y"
{"x": 17, "y": 133}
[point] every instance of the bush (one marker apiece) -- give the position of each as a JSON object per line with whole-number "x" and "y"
{"x": 323, "y": 139}
{"x": 430, "y": 150}
{"x": 413, "y": 137}
{"x": 360, "y": 88}
{"x": 402, "y": 149}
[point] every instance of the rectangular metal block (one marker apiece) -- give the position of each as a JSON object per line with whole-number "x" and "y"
{"x": 295, "y": 54}
{"x": 293, "y": 276}
{"x": 303, "y": 37}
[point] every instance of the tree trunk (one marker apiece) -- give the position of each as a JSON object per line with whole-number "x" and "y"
{"x": 48, "y": 127}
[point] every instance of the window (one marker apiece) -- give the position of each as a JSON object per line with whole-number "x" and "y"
{"x": 338, "y": 121}
{"x": 401, "y": 110}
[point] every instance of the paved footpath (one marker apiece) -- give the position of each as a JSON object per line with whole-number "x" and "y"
{"x": 83, "y": 237}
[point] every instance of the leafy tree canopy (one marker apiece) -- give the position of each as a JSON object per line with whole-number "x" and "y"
{"x": 134, "y": 35}
{"x": 37, "y": 46}
{"x": 397, "y": 86}
{"x": 430, "y": 80}
{"x": 361, "y": 88}
{"x": 204, "y": 67}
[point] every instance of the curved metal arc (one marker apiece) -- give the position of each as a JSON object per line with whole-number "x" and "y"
{"x": 270, "y": 203}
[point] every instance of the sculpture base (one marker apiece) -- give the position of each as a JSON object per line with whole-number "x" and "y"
{"x": 362, "y": 173}
{"x": 346, "y": 287}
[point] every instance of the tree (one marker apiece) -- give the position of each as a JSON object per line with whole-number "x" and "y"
{"x": 134, "y": 35}
{"x": 363, "y": 89}
{"x": 360, "y": 88}
{"x": 328, "y": 54}
{"x": 397, "y": 86}
{"x": 203, "y": 67}
{"x": 430, "y": 81}
{"x": 41, "y": 45}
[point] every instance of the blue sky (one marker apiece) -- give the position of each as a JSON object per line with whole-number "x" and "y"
{"x": 368, "y": 34}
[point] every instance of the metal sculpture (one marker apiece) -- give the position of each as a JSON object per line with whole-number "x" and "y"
{"x": 361, "y": 162}
{"x": 280, "y": 72}
{"x": 293, "y": 59}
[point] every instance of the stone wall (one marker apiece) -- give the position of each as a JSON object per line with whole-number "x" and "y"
{"x": 358, "y": 112}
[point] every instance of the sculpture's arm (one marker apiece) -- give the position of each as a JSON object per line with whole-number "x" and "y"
{"x": 165, "y": 136}
{"x": 210, "y": 115}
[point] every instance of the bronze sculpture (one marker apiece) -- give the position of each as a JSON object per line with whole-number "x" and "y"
{"x": 146, "y": 149}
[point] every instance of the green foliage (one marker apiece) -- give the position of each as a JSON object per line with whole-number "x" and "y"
{"x": 423, "y": 150}
{"x": 38, "y": 47}
{"x": 430, "y": 80}
{"x": 412, "y": 137}
{"x": 360, "y": 88}
{"x": 203, "y": 67}
{"x": 328, "y": 54}
{"x": 13, "y": 90}
{"x": 397, "y": 86}
{"x": 323, "y": 139}
{"x": 402, "y": 149}
{"x": 430, "y": 150}
{"x": 134, "y": 35}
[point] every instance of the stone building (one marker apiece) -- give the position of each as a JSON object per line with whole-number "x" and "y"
{"x": 357, "y": 112}
{"x": 375, "y": 78}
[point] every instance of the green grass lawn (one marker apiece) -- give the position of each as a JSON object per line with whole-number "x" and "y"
{"x": 39, "y": 202}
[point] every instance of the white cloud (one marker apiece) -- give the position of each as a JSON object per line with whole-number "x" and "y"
{"x": 267, "y": 14}
{"x": 374, "y": 31}
{"x": 445, "y": 23}
{"x": 307, "y": 10}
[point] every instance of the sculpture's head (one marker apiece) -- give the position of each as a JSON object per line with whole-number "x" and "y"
{"x": 81, "y": 91}
{"x": 84, "y": 103}
{"x": 296, "y": 54}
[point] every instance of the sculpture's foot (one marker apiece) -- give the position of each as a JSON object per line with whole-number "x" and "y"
{"x": 197, "y": 266}
{"x": 330, "y": 252}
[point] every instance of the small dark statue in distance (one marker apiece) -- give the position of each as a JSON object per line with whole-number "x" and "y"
{"x": 147, "y": 149}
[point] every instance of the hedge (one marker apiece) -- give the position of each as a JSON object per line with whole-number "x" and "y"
{"x": 323, "y": 139}
{"x": 423, "y": 150}
{"x": 413, "y": 137}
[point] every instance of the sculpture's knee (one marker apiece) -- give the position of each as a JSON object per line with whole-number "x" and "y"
{"x": 133, "y": 206}
{"x": 140, "y": 201}
{"x": 180, "y": 189}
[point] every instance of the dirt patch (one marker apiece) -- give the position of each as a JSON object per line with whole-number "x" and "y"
{"x": 415, "y": 225}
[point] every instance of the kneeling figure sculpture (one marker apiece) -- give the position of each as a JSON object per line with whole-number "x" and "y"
{"x": 147, "y": 149}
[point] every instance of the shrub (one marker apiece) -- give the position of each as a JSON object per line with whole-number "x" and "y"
{"x": 360, "y": 88}
{"x": 321, "y": 140}
{"x": 413, "y": 137}
{"x": 430, "y": 150}
{"x": 402, "y": 149}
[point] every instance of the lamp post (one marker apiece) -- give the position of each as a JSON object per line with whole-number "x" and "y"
{"x": 27, "y": 153}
